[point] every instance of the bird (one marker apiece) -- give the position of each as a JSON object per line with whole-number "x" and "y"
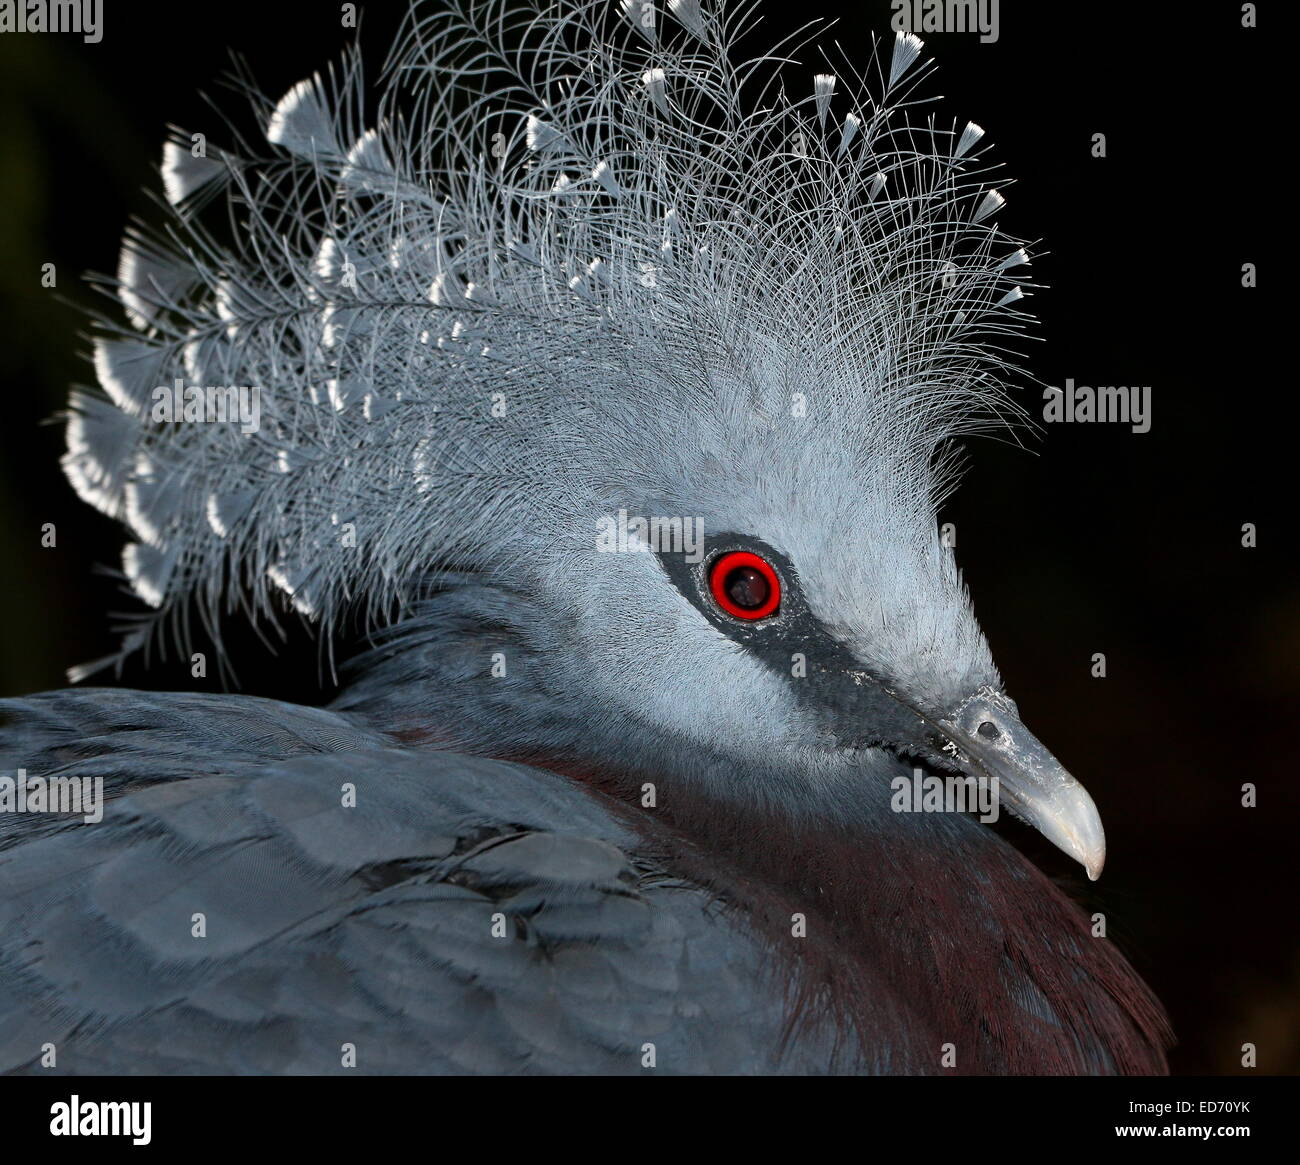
{"x": 607, "y": 383}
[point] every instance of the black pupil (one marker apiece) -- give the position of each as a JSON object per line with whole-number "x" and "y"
{"x": 747, "y": 587}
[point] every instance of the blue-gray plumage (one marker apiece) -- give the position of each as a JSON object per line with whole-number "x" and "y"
{"x": 378, "y": 925}
{"x": 574, "y": 811}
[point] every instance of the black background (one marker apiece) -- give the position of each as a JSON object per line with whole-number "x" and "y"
{"x": 1091, "y": 539}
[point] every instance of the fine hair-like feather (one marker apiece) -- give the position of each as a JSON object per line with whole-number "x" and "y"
{"x": 478, "y": 314}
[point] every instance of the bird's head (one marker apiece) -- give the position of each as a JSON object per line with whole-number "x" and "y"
{"x": 613, "y": 288}
{"x": 766, "y": 591}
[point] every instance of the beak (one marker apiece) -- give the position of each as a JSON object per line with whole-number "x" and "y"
{"x": 1031, "y": 782}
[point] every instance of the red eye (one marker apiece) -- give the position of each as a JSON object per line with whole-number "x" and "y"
{"x": 744, "y": 585}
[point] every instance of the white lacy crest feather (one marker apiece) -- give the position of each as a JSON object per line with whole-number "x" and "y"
{"x": 569, "y": 247}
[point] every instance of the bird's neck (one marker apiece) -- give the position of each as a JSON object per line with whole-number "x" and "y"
{"x": 928, "y": 937}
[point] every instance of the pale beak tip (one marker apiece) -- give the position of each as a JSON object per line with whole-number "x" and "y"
{"x": 1090, "y": 849}
{"x": 1091, "y": 854}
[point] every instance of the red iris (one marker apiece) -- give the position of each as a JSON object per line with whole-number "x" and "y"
{"x": 744, "y": 585}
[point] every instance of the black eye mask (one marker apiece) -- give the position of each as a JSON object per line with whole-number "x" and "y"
{"x": 854, "y": 704}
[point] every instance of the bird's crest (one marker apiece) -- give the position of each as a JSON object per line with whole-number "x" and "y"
{"x": 570, "y": 239}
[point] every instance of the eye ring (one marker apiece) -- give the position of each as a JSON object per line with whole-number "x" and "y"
{"x": 745, "y": 585}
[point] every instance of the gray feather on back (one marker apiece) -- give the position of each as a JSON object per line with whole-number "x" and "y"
{"x": 462, "y": 915}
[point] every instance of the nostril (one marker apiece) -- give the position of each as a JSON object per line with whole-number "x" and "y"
{"x": 989, "y": 730}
